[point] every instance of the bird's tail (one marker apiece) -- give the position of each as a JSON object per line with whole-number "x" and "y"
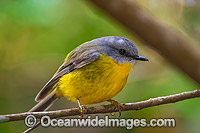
{"x": 43, "y": 105}
{"x": 46, "y": 103}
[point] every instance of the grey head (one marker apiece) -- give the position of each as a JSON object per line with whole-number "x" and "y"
{"x": 120, "y": 49}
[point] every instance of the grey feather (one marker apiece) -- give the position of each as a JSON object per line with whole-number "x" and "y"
{"x": 45, "y": 103}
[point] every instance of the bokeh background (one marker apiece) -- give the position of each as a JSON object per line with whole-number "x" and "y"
{"x": 35, "y": 37}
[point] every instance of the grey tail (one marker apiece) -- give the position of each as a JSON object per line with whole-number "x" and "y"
{"x": 45, "y": 103}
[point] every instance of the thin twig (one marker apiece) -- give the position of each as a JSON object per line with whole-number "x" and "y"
{"x": 105, "y": 108}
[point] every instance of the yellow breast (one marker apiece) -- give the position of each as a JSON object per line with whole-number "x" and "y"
{"x": 94, "y": 83}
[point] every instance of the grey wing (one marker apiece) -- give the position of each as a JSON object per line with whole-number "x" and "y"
{"x": 51, "y": 84}
{"x": 78, "y": 58}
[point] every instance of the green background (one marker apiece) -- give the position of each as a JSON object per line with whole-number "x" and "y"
{"x": 35, "y": 37}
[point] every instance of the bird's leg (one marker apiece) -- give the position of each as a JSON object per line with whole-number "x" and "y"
{"x": 81, "y": 108}
{"x": 116, "y": 105}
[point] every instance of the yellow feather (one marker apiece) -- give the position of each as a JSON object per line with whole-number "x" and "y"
{"x": 96, "y": 82}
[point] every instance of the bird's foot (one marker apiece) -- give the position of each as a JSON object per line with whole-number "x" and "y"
{"x": 81, "y": 108}
{"x": 116, "y": 105}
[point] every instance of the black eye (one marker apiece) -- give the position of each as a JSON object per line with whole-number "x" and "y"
{"x": 122, "y": 51}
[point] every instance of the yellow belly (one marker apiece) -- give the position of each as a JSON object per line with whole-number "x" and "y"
{"x": 96, "y": 82}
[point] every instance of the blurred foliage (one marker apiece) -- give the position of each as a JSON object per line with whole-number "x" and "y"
{"x": 36, "y": 36}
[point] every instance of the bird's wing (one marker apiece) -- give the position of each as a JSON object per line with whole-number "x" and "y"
{"x": 79, "y": 57}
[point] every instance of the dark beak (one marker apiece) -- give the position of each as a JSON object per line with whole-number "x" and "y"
{"x": 141, "y": 58}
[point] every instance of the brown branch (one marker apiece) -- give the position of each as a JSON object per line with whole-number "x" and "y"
{"x": 171, "y": 44}
{"x": 104, "y": 108}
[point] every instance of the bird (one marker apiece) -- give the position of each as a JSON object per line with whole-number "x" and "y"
{"x": 92, "y": 73}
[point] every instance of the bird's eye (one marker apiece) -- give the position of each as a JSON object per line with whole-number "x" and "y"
{"x": 122, "y": 51}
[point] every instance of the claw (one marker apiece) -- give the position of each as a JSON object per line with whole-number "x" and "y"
{"x": 81, "y": 108}
{"x": 111, "y": 113}
{"x": 116, "y": 105}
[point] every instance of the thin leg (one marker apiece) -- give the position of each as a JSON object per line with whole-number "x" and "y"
{"x": 116, "y": 105}
{"x": 81, "y": 107}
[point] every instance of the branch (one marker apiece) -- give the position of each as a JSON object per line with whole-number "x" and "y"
{"x": 171, "y": 44}
{"x": 105, "y": 108}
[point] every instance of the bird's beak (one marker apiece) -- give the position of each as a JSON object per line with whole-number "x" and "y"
{"x": 141, "y": 58}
